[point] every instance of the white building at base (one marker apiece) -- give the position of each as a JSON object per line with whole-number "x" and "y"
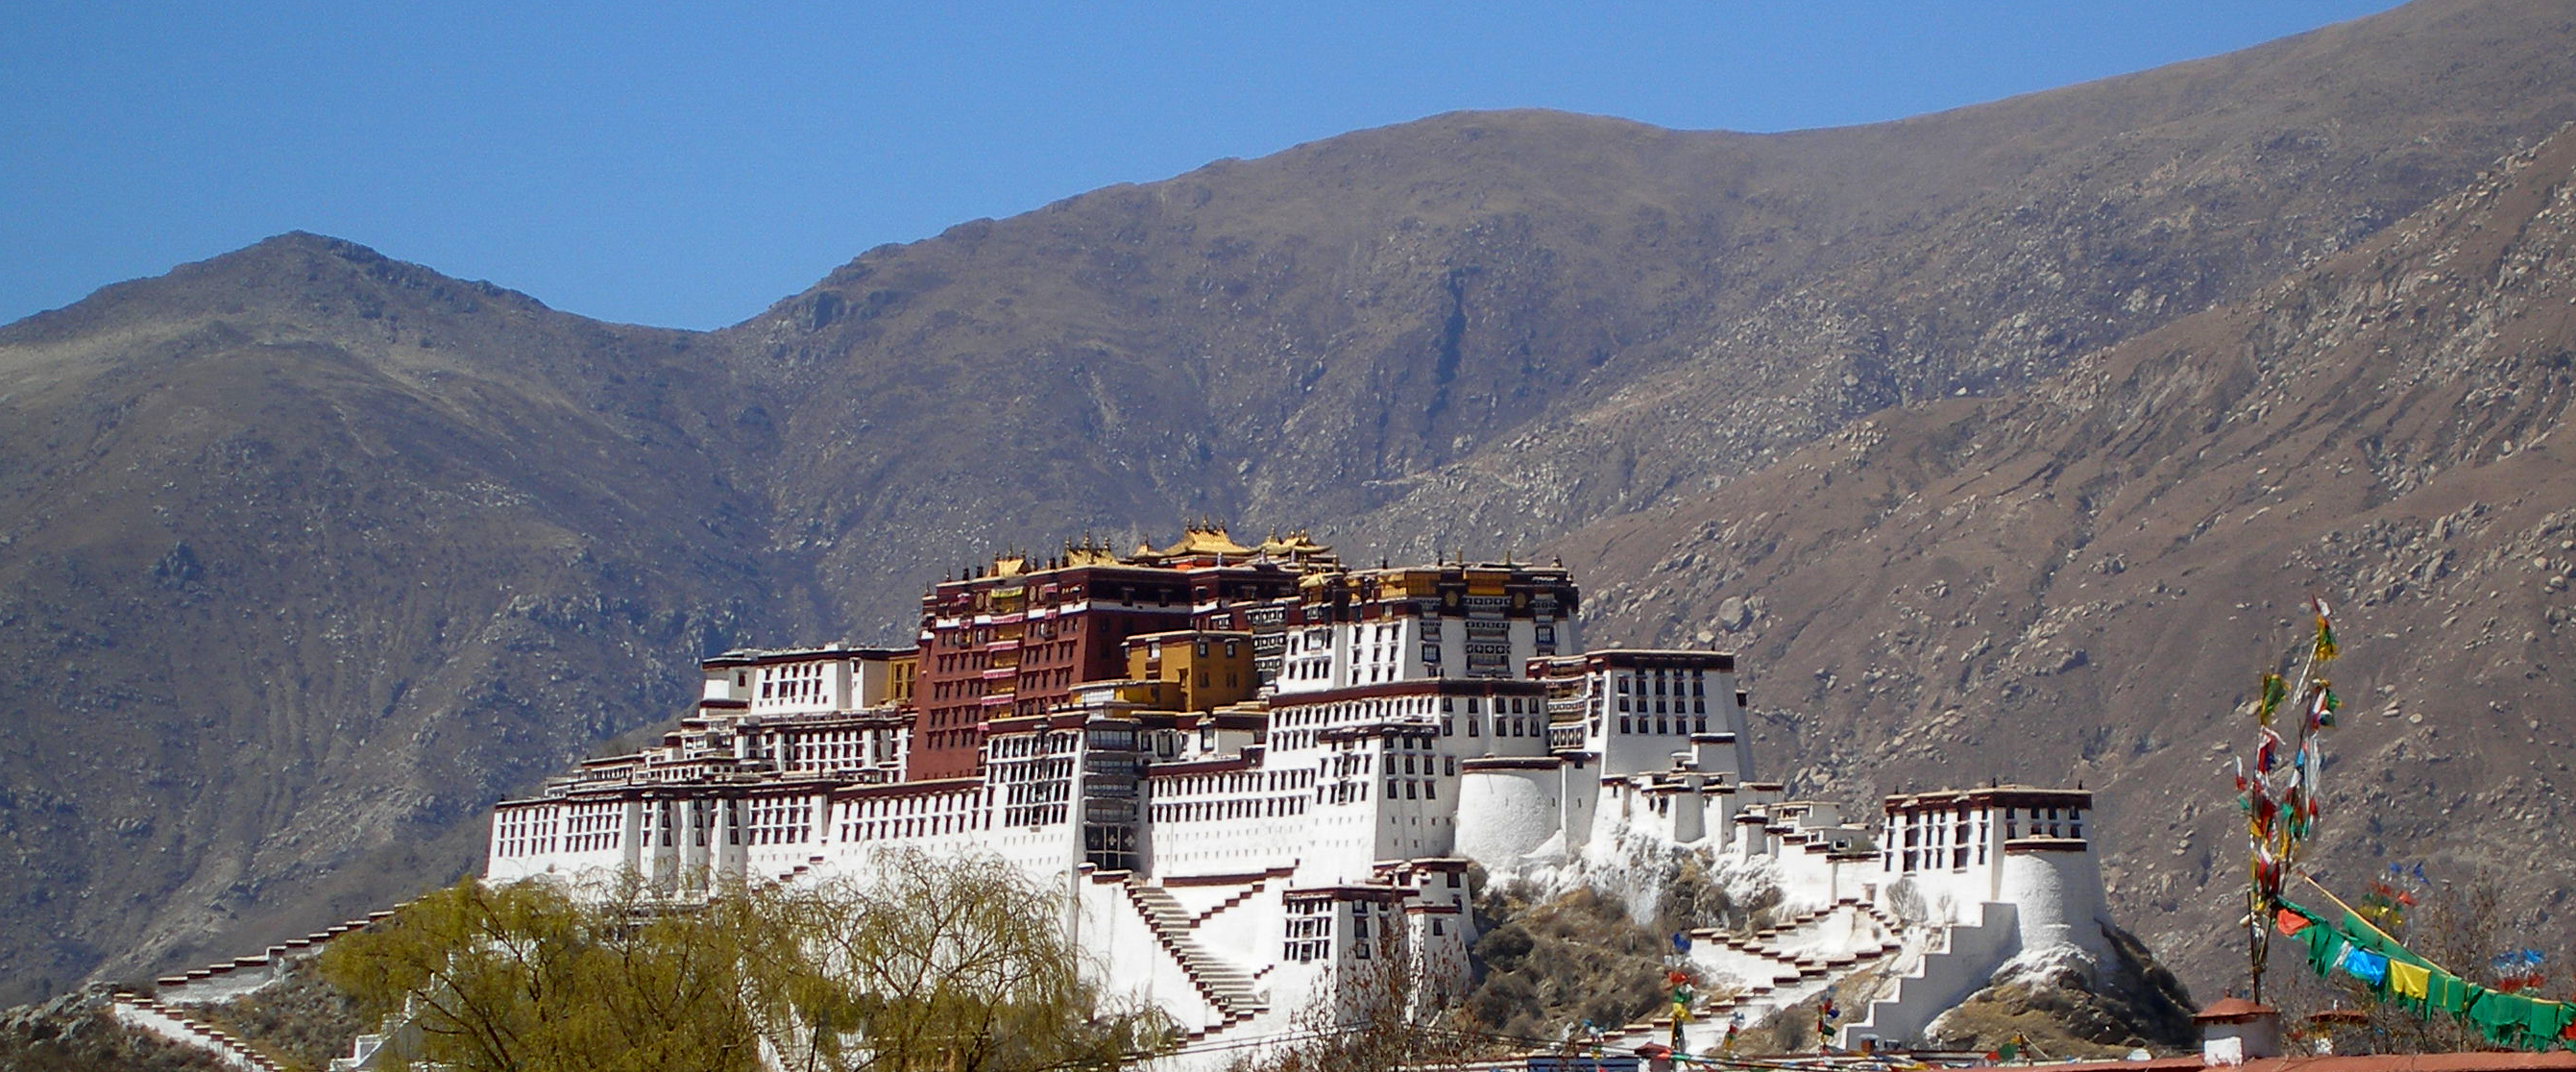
{"x": 1230, "y": 853}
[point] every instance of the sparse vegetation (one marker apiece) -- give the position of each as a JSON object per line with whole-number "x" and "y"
{"x": 75, "y": 1035}
{"x": 302, "y": 1021}
{"x": 2065, "y": 1012}
{"x": 1384, "y": 1018}
{"x": 1692, "y": 901}
{"x": 1544, "y": 967}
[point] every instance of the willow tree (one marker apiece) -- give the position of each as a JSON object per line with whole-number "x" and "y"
{"x": 530, "y": 977}
{"x": 934, "y": 963}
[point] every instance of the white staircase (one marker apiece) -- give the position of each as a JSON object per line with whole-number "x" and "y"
{"x": 1775, "y": 977}
{"x": 1967, "y": 957}
{"x": 1224, "y": 985}
{"x": 167, "y": 1022}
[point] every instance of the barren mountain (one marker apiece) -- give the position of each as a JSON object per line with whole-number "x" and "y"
{"x": 310, "y": 554}
{"x": 2085, "y": 577}
{"x": 1480, "y": 329}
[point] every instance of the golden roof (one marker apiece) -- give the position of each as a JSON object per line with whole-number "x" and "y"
{"x": 1294, "y": 545}
{"x": 1205, "y": 538}
{"x": 1090, "y": 552}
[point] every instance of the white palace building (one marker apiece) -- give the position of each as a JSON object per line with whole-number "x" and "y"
{"x": 1250, "y": 769}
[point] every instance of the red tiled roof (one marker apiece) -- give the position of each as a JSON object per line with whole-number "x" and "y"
{"x": 2232, "y": 1008}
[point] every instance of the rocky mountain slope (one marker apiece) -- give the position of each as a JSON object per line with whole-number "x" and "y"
{"x": 1480, "y": 329}
{"x": 309, "y": 554}
{"x": 2086, "y": 576}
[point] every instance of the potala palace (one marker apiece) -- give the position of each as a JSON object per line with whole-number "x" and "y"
{"x": 1250, "y": 770}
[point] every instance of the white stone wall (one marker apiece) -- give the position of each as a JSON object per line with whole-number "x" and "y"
{"x": 1226, "y": 822}
{"x": 1130, "y": 959}
{"x": 1507, "y": 814}
{"x": 2059, "y": 895}
{"x": 1240, "y": 923}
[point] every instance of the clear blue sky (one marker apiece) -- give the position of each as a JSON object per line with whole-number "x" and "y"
{"x": 688, "y": 164}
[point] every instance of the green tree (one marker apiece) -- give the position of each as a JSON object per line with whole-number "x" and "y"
{"x": 532, "y": 978}
{"x": 934, "y": 964}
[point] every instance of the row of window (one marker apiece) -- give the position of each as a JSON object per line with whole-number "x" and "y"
{"x": 1698, "y": 684}
{"x": 1659, "y": 724}
{"x": 1504, "y": 726}
{"x": 1199, "y": 811}
{"x": 854, "y": 828}
{"x": 781, "y": 822}
{"x": 1414, "y": 788}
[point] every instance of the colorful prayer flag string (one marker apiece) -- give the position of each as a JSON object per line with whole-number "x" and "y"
{"x": 2357, "y": 948}
{"x": 2280, "y": 795}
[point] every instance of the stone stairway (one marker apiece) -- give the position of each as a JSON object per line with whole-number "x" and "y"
{"x": 165, "y": 1021}
{"x": 1966, "y": 956}
{"x": 225, "y": 980}
{"x": 1795, "y": 977}
{"x": 1245, "y": 894}
{"x": 1223, "y": 985}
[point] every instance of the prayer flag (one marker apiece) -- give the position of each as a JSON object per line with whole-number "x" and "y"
{"x": 2409, "y": 980}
